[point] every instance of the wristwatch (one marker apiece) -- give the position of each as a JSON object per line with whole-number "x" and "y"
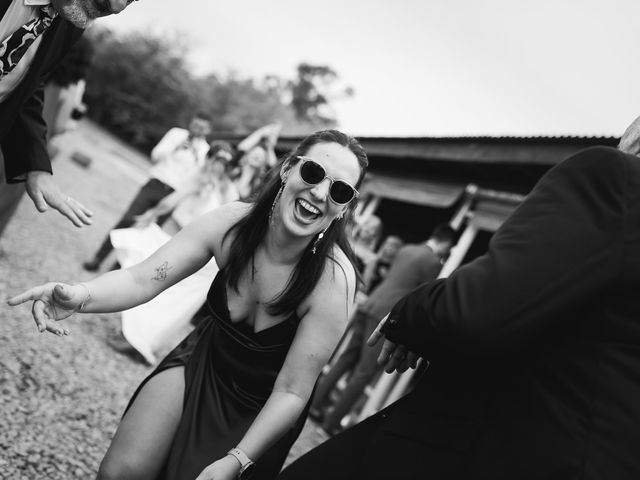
{"x": 246, "y": 465}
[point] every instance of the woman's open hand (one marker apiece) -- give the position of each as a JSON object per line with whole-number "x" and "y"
{"x": 53, "y": 302}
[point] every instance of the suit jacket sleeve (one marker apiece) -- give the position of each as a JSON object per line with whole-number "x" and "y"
{"x": 26, "y": 140}
{"x": 558, "y": 248}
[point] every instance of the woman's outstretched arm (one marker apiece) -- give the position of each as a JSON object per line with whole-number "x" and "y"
{"x": 118, "y": 290}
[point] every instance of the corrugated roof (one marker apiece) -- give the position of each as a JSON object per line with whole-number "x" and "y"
{"x": 540, "y": 150}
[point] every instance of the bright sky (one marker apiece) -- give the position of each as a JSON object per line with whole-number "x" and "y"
{"x": 430, "y": 67}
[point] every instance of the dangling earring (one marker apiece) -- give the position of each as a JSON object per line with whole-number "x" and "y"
{"x": 315, "y": 244}
{"x": 275, "y": 201}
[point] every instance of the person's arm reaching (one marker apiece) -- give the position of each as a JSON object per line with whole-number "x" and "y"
{"x": 561, "y": 245}
{"x": 26, "y": 159}
{"x": 119, "y": 290}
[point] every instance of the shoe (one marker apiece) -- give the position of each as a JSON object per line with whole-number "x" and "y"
{"x": 91, "y": 265}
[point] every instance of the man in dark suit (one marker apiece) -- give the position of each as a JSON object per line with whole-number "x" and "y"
{"x": 534, "y": 348}
{"x": 22, "y": 73}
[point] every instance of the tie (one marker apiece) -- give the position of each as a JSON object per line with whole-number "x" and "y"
{"x": 15, "y": 45}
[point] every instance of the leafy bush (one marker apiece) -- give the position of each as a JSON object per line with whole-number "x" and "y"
{"x": 139, "y": 86}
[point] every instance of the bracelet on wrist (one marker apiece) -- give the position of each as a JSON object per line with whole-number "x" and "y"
{"x": 86, "y": 298}
{"x": 246, "y": 465}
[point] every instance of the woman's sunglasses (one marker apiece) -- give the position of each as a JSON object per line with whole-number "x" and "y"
{"x": 312, "y": 173}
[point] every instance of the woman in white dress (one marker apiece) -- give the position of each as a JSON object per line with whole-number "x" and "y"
{"x": 160, "y": 324}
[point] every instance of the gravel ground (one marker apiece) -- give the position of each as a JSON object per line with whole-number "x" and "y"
{"x": 62, "y": 397}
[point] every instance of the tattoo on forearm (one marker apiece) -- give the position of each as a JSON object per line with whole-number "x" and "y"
{"x": 161, "y": 272}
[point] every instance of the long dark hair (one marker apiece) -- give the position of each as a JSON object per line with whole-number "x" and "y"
{"x": 252, "y": 228}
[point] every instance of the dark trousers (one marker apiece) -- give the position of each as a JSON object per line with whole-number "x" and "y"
{"x": 10, "y": 196}
{"x": 148, "y": 197}
{"x": 341, "y": 457}
{"x": 392, "y": 444}
{"x": 358, "y": 358}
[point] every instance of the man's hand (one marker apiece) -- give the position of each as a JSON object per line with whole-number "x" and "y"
{"x": 45, "y": 193}
{"x": 393, "y": 356}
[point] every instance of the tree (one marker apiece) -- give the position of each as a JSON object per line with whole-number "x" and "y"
{"x": 312, "y": 93}
{"x": 139, "y": 86}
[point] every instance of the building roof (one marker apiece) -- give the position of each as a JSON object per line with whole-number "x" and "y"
{"x": 521, "y": 150}
{"x": 544, "y": 150}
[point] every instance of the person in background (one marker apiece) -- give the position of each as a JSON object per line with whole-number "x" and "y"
{"x": 413, "y": 265}
{"x": 158, "y": 325}
{"x": 34, "y": 38}
{"x": 255, "y": 155}
{"x": 231, "y": 399}
{"x": 64, "y": 90}
{"x": 177, "y": 158}
{"x": 206, "y": 191}
{"x": 377, "y": 270}
{"x": 366, "y": 234}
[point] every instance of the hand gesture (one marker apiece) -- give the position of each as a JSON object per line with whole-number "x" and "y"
{"x": 393, "y": 356}
{"x": 52, "y": 302}
{"x": 227, "y": 468}
{"x": 45, "y": 193}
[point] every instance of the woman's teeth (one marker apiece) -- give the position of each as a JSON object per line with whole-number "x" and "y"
{"x": 307, "y": 209}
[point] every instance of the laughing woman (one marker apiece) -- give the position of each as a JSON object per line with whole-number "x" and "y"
{"x": 232, "y": 397}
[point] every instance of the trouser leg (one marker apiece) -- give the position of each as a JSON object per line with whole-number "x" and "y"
{"x": 10, "y": 196}
{"x": 148, "y": 197}
{"x": 339, "y": 458}
{"x": 343, "y": 364}
{"x": 365, "y": 369}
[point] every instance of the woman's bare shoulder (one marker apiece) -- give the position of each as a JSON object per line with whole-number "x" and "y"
{"x": 225, "y": 216}
{"x": 339, "y": 260}
{"x": 338, "y": 278}
{"x": 213, "y": 226}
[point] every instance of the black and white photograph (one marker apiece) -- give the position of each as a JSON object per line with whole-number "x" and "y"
{"x": 306, "y": 241}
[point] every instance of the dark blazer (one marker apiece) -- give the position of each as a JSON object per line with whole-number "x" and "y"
{"x": 22, "y": 128}
{"x": 535, "y": 346}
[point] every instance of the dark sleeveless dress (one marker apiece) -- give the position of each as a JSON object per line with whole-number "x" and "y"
{"x": 229, "y": 374}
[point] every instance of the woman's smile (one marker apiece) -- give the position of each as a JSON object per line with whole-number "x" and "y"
{"x": 306, "y": 211}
